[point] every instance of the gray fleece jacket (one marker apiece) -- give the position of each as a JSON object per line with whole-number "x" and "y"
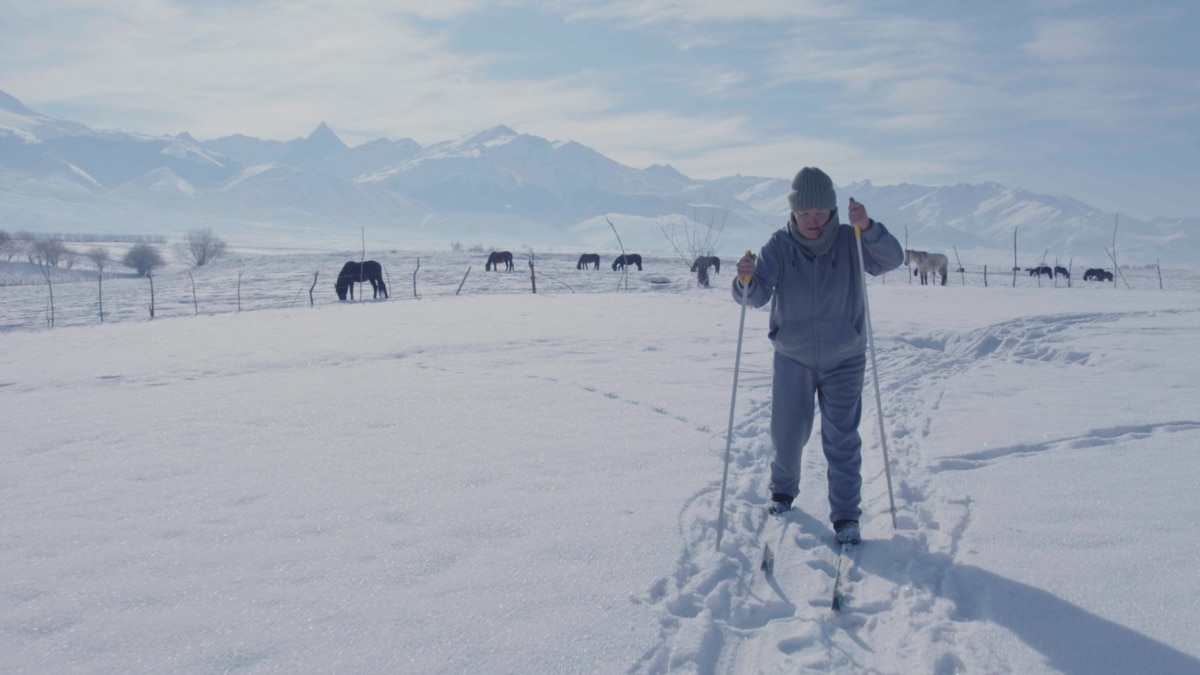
{"x": 817, "y": 314}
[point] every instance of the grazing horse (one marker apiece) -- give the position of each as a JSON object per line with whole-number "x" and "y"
{"x": 705, "y": 260}
{"x": 1097, "y": 274}
{"x": 628, "y": 259}
{"x": 353, "y": 273}
{"x": 498, "y": 257}
{"x": 927, "y": 263}
{"x": 1060, "y": 271}
{"x": 586, "y": 259}
{"x": 1040, "y": 270}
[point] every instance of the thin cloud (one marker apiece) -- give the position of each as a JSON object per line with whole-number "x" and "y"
{"x": 1070, "y": 40}
{"x": 700, "y": 11}
{"x": 895, "y": 92}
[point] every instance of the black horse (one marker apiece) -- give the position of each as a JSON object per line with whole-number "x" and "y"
{"x": 1040, "y": 270}
{"x": 629, "y": 259}
{"x": 706, "y": 260}
{"x": 1097, "y": 274}
{"x": 1060, "y": 271}
{"x": 498, "y": 257}
{"x": 353, "y": 273}
{"x": 586, "y": 259}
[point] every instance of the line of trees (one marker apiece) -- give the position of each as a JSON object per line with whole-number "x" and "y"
{"x": 199, "y": 248}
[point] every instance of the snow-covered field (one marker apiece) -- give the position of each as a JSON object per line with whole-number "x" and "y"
{"x": 501, "y": 482}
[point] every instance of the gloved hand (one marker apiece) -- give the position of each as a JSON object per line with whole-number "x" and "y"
{"x": 745, "y": 266}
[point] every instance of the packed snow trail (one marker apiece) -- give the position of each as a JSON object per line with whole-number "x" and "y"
{"x": 910, "y": 604}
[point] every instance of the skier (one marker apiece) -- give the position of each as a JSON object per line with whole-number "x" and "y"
{"x": 809, "y": 270}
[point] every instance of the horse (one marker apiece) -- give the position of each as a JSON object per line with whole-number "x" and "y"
{"x": 1060, "y": 271}
{"x": 586, "y": 259}
{"x": 353, "y": 272}
{"x": 1040, "y": 270}
{"x": 496, "y": 258}
{"x": 706, "y": 260}
{"x": 628, "y": 259}
{"x": 1097, "y": 274}
{"x": 927, "y": 263}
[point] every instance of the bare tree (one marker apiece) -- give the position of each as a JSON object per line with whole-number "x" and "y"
{"x": 45, "y": 268}
{"x": 49, "y": 251}
{"x": 23, "y": 243}
{"x": 8, "y": 246}
{"x": 99, "y": 257}
{"x": 695, "y": 233}
{"x": 625, "y": 267}
{"x": 201, "y": 247}
{"x": 143, "y": 258}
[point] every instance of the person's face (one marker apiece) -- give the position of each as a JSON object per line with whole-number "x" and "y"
{"x": 810, "y": 222}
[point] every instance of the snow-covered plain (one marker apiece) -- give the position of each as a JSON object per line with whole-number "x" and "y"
{"x": 501, "y": 482}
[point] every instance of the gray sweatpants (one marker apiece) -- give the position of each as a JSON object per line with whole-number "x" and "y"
{"x": 794, "y": 390}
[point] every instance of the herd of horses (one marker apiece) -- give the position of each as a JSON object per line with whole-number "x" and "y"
{"x": 1048, "y": 272}
{"x": 925, "y": 265}
{"x": 586, "y": 261}
{"x": 370, "y": 271}
{"x": 1092, "y": 273}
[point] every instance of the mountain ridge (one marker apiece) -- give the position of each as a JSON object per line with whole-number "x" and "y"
{"x": 546, "y": 193}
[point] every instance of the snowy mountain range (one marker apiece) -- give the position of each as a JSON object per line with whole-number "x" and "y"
{"x": 497, "y": 188}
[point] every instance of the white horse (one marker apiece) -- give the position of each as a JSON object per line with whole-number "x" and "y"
{"x": 927, "y": 263}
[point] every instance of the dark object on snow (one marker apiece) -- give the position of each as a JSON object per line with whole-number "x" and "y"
{"x": 1040, "y": 271}
{"x": 496, "y": 258}
{"x": 707, "y": 260}
{"x": 1097, "y": 274}
{"x": 1060, "y": 271}
{"x": 629, "y": 259}
{"x": 700, "y": 267}
{"x": 586, "y": 259}
{"x": 353, "y": 273}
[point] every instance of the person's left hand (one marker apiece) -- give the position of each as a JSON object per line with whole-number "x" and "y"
{"x": 858, "y": 215}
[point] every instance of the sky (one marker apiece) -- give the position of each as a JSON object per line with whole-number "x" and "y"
{"x": 497, "y": 481}
{"x": 1098, "y": 100}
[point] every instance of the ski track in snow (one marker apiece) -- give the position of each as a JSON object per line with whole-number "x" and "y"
{"x": 907, "y": 597}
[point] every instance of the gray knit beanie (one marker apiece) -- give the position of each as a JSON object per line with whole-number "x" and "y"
{"x": 812, "y": 189}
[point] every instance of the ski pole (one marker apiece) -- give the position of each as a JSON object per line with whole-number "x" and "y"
{"x": 737, "y": 363}
{"x": 887, "y": 470}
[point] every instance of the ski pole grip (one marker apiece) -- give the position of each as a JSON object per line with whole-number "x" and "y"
{"x": 746, "y": 279}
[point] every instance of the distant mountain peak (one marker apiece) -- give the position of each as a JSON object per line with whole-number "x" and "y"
{"x": 324, "y": 136}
